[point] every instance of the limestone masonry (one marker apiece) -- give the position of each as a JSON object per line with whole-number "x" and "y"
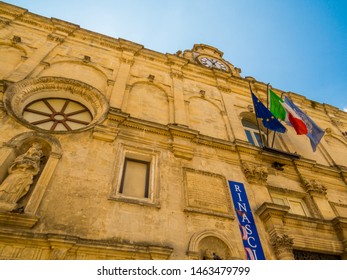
{"x": 109, "y": 150}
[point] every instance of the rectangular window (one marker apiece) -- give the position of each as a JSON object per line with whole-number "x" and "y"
{"x": 297, "y": 205}
{"x": 135, "y": 178}
{"x": 257, "y": 136}
{"x": 249, "y": 137}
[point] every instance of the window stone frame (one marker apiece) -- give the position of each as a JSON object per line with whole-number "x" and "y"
{"x": 141, "y": 154}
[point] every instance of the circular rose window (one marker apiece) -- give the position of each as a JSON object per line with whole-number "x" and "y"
{"x": 55, "y": 104}
{"x": 57, "y": 114}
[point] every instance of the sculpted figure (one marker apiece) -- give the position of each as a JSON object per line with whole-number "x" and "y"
{"x": 20, "y": 175}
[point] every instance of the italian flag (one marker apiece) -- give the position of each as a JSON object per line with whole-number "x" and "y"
{"x": 284, "y": 112}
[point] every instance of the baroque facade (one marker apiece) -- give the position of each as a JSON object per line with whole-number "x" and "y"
{"x": 109, "y": 150}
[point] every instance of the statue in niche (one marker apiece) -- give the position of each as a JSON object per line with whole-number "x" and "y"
{"x": 20, "y": 176}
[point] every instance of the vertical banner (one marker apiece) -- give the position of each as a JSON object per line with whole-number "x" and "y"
{"x": 249, "y": 233}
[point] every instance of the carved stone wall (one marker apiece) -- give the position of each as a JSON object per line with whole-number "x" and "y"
{"x": 190, "y": 116}
{"x": 206, "y": 192}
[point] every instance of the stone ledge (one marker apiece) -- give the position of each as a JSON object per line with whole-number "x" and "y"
{"x": 17, "y": 220}
{"x": 73, "y": 247}
{"x": 209, "y": 212}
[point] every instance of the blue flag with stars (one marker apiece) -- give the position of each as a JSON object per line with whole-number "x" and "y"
{"x": 268, "y": 119}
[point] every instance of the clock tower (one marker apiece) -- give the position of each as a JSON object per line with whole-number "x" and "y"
{"x": 210, "y": 57}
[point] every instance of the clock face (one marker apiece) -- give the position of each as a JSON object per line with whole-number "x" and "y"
{"x": 212, "y": 63}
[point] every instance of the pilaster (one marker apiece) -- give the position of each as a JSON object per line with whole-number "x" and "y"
{"x": 283, "y": 246}
{"x": 129, "y": 50}
{"x": 24, "y": 69}
{"x": 176, "y": 73}
{"x": 340, "y": 225}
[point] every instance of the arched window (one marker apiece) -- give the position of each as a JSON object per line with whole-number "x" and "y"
{"x": 252, "y": 133}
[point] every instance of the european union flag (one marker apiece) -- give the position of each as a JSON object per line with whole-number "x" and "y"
{"x": 268, "y": 119}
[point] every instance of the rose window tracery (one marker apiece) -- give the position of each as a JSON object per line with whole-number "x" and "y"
{"x": 57, "y": 114}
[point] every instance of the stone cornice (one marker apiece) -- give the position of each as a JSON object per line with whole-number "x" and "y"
{"x": 35, "y": 21}
{"x": 69, "y": 246}
{"x": 128, "y": 46}
{"x": 308, "y": 223}
{"x": 146, "y": 126}
{"x": 11, "y": 12}
{"x": 96, "y": 38}
{"x": 175, "y": 60}
{"x": 171, "y": 129}
{"x": 64, "y": 27}
{"x": 246, "y": 148}
{"x": 215, "y": 142}
{"x": 17, "y": 220}
{"x": 181, "y": 131}
{"x": 268, "y": 209}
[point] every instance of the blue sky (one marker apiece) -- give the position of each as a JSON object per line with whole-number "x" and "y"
{"x": 295, "y": 45}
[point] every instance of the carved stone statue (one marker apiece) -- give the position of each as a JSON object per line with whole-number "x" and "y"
{"x": 20, "y": 177}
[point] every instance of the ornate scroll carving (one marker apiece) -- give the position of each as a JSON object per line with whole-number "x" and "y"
{"x": 20, "y": 177}
{"x": 255, "y": 173}
{"x": 283, "y": 246}
{"x": 314, "y": 187}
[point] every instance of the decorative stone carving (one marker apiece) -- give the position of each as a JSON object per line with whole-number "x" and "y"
{"x": 176, "y": 75}
{"x": 255, "y": 173}
{"x": 56, "y": 38}
{"x": 127, "y": 60}
{"x": 21, "y": 93}
{"x": 21, "y": 174}
{"x": 304, "y": 255}
{"x": 151, "y": 77}
{"x": 209, "y": 255}
{"x": 314, "y": 187}
{"x": 283, "y": 246}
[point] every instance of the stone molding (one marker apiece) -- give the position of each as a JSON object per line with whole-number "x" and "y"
{"x": 67, "y": 247}
{"x": 306, "y": 236}
{"x": 56, "y": 38}
{"x": 255, "y": 173}
{"x": 17, "y": 220}
{"x": 19, "y": 94}
{"x": 213, "y": 202}
{"x": 283, "y": 246}
{"x": 314, "y": 187}
{"x": 193, "y": 246}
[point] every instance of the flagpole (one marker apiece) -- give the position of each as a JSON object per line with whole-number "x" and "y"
{"x": 273, "y": 139}
{"x": 267, "y": 106}
{"x": 261, "y": 139}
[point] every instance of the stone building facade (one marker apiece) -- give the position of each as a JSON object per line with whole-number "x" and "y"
{"x": 109, "y": 150}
